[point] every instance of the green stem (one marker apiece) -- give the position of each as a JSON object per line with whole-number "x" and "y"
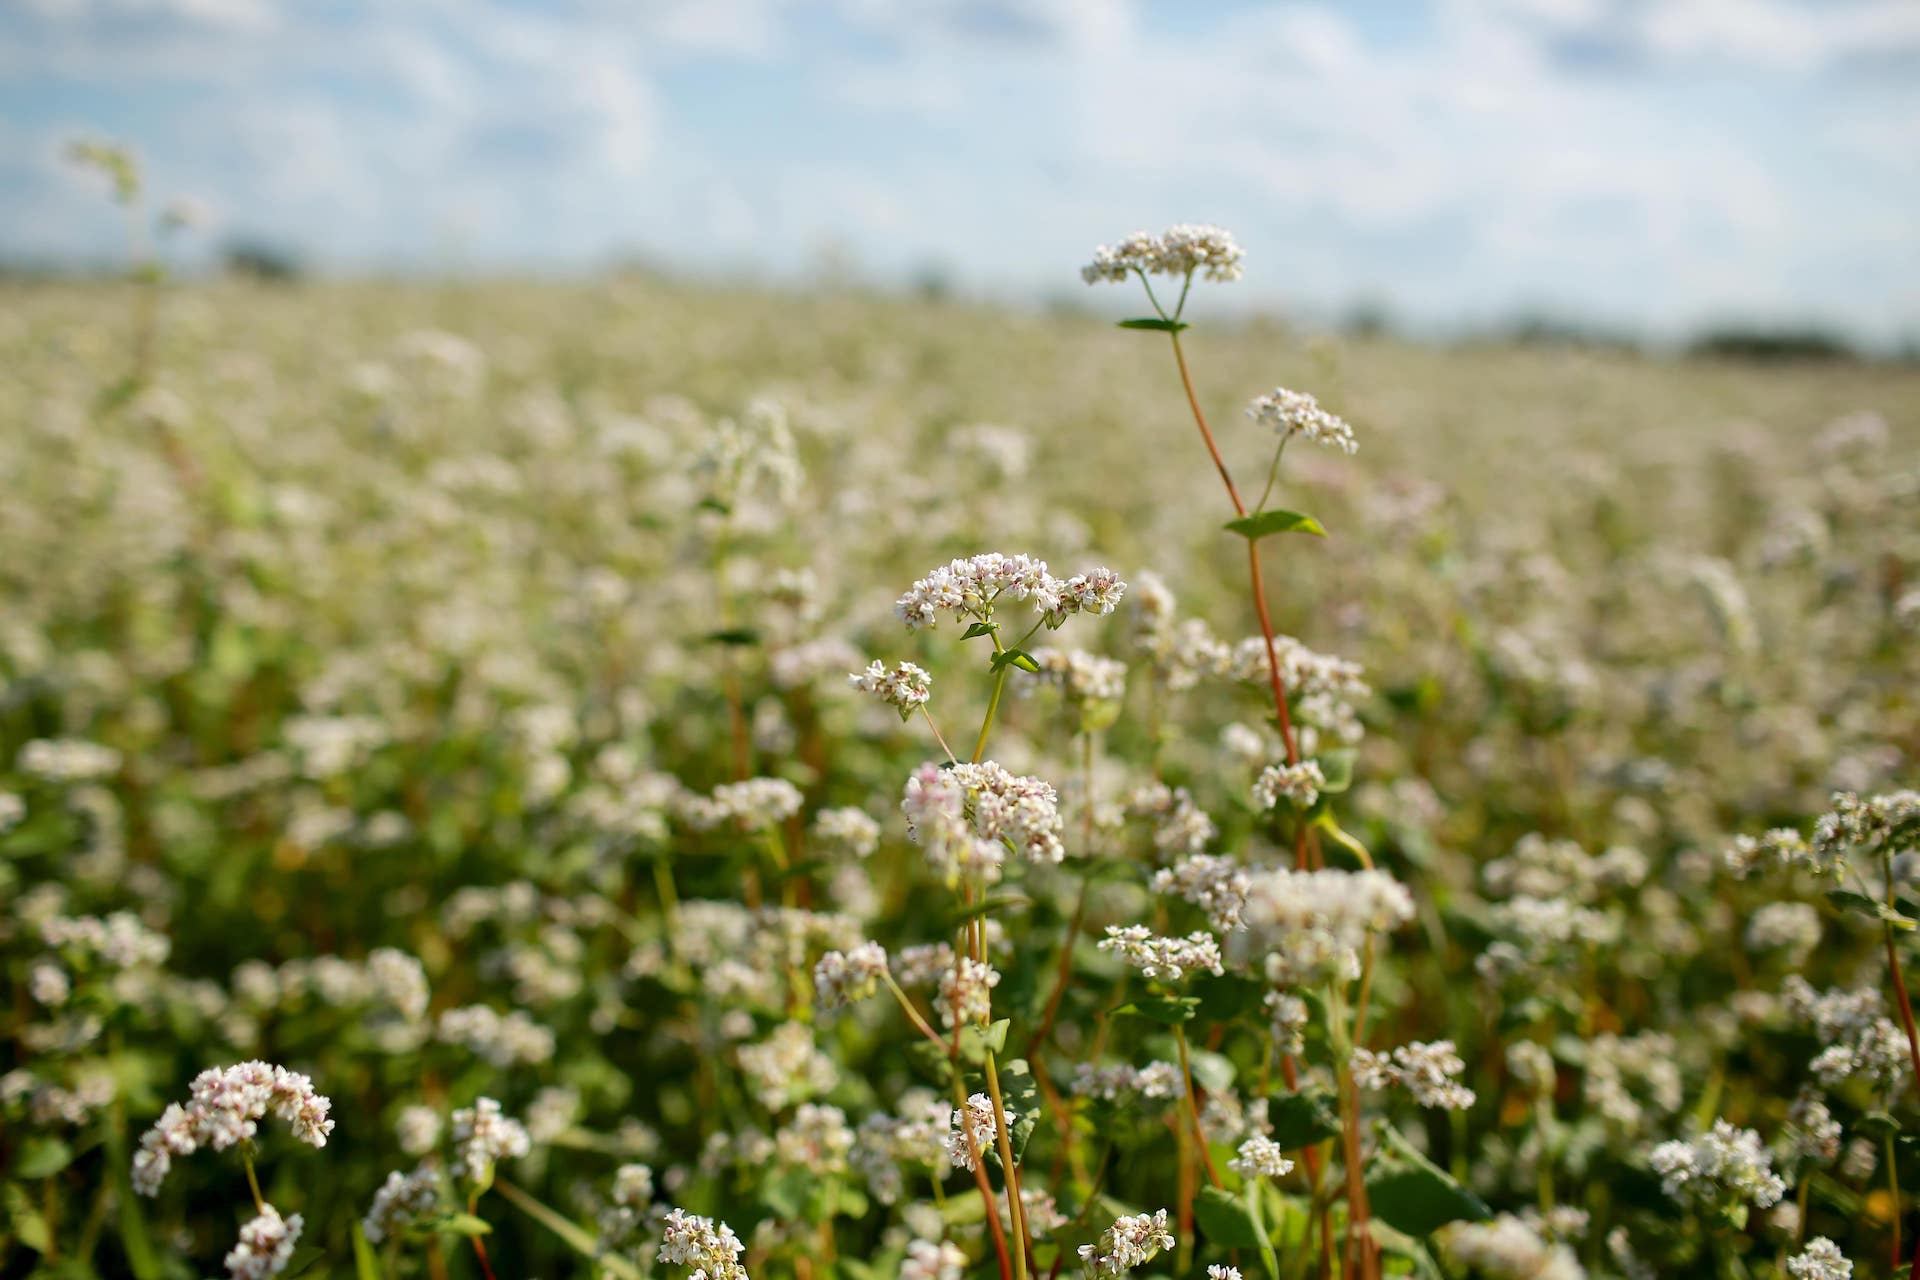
{"x": 1251, "y": 1191}
{"x": 993, "y": 706}
{"x": 1193, "y": 1105}
{"x": 1010, "y": 1177}
{"x": 253, "y": 1183}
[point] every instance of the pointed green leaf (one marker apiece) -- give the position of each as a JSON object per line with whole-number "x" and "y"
{"x": 1167, "y": 1010}
{"x": 1275, "y": 520}
{"x": 1301, "y": 1119}
{"x": 1155, "y": 324}
{"x": 1225, "y": 1219}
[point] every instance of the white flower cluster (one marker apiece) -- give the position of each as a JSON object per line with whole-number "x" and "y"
{"x": 1782, "y": 846}
{"x": 966, "y": 992}
{"x": 927, "y": 1260}
{"x": 1424, "y": 1070}
{"x": 1261, "y": 1157}
{"x": 916, "y": 1135}
{"x": 1179, "y": 251}
{"x": 786, "y": 1067}
{"x": 710, "y": 1249}
{"x": 266, "y": 1245}
{"x": 1298, "y": 784}
{"x": 483, "y": 1136}
{"x": 850, "y": 831}
{"x": 817, "y": 1140}
{"x": 965, "y": 817}
{"x": 62, "y": 760}
{"x": 1170, "y": 959}
{"x": 1506, "y": 1248}
{"x": 1132, "y": 1241}
{"x": 971, "y": 1132}
{"x": 1295, "y": 413}
{"x": 905, "y": 687}
{"x": 1720, "y": 1168}
{"x": 1820, "y": 1260}
{"x": 119, "y": 940}
{"x": 841, "y": 978}
{"x": 970, "y": 588}
{"x": 1860, "y": 1040}
{"x": 756, "y": 804}
{"x": 1888, "y": 823}
{"x": 1179, "y": 824}
{"x": 402, "y": 1200}
{"x": 503, "y": 1040}
{"x": 1157, "y": 1080}
{"x": 1325, "y": 691}
{"x": 224, "y": 1107}
{"x": 1084, "y": 677}
{"x": 1302, "y": 927}
{"x": 1216, "y": 885}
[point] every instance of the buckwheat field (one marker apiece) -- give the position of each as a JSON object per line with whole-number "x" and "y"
{"x": 640, "y": 780}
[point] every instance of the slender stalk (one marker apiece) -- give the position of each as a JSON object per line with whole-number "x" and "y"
{"x": 253, "y": 1182}
{"x": 938, "y": 736}
{"x": 993, "y": 706}
{"x": 1193, "y": 1105}
{"x": 1016, "y": 1212}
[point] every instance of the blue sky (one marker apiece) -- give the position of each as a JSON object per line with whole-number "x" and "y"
{"x": 1654, "y": 163}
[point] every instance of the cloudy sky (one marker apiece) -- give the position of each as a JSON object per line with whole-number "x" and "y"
{"x": 1648, "y": 162}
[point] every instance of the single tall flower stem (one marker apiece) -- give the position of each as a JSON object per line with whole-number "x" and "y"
{"x": 1258, "y": 579}
{"x": 1016, "y": 1212}
{"x": 938, "y": 736}
{"x": 1193, "y": 1105}
{"x": 253, "y": 1182}
{"x": 993, "y": 706}
{"x": 738, "y": 732}
{"x": 479, "y": 1247}
{"x": 980, "y": 1180}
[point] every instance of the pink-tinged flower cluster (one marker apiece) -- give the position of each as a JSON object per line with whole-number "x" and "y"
{"x": 266, "y": 1245}
{"x": 1180, "y": 250}
{"x": 224, "y": 1107}
{"x": 1295, "y": 413}
{"x": 905, "y": 687}
{"x": 967, "y": 816}
{"x": 711, "y": 1250}
{"x": 971, "y": 588}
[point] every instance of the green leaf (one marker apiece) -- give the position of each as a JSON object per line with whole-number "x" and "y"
{"x": 577, "y": 1239}
{"x": 1225, "y": 1219}
{"x": 41, "y": 1157}
{"x": 964, "y": 1209}
{"x": 786, "y": 1194}
{"x": 1877, "y": 1125}
{"x": 1412, "y": 1194}
{"x": 1015, "y": 657}
{"x": 1021, "y": 1097}
{"x": 1212, "y": 1071}
{"x": 1301, "y": 1119}
{"x": 1275, "y": 520}
{"x": 1227, "y": 996}
{"x": 29, "y": 1224}
{"x": 733, "y": 636}
{"x": 366, "y": 1263}
{"x": 1847, "y": 900}
{"x": 1155, "y": 324}
{"x": 1337, "y": 768}
{"x": 976, "y": 629}
{"x": 975, "y": 1039}
{"x": 459, "y": 1224}
{"x": 1168, "y": 1010}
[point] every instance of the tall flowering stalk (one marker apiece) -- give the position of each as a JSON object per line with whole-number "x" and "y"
{"x": 1180, "y": 254}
